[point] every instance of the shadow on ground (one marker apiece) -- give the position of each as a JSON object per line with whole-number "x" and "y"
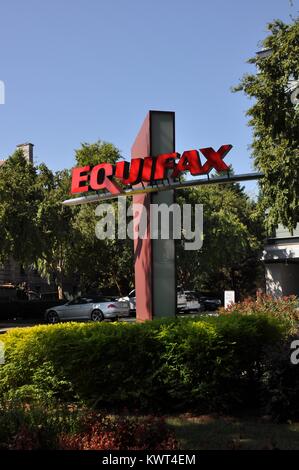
{"x": 211, "y": 432}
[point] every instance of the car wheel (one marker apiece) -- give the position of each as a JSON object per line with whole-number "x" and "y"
{"x": 97, "y": 315}
{"x": 52, "y": 318}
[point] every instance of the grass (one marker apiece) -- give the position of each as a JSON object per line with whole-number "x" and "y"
{"x": 212, "y": 432}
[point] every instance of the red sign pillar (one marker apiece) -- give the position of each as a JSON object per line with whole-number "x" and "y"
{"x": 154, "y": 260}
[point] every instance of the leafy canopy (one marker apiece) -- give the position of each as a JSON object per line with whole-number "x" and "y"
{"x": 275, "y": 122}
{"x": 232, "y": 244}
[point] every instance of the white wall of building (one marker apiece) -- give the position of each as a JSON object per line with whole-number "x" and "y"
{"x": 282, "y": 279}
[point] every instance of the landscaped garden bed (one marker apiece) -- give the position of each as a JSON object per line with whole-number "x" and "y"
{"x": 83, "y": 382}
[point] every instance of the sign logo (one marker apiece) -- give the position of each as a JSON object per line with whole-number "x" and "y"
{"x": 106, "y": 176}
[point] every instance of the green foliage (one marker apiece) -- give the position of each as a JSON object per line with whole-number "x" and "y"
{"x": 100, "y": 264}
{"x": 90, "y": 256}
{"x": 280, "y": 383}
{"x": 99, "y": 152}
{"x": 275, "y": 122}
{"x": 71, "y": 244}
{"x": 37, "y": 230}
{"x": 208, "y": 363}
{"x": 55, "y": 225}
{"x": 35, "y": 226}
{"x": 284, "y": 309}
{"x": 215, "y": 364}
{"x": 232, "y": 245}
{"x": 19, "y": 199}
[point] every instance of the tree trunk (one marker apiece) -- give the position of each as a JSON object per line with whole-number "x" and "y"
{"x": 118, "y": 287}
{"x": 60, "y": 292}
{"x": 233, "y": 279}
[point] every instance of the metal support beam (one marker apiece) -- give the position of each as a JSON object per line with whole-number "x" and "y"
{"x": 163, "y": 187}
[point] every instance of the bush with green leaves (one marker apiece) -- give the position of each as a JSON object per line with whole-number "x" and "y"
{"x": 284, "y": 309}
{"x": 216, "y": 364}
{"x": 205, "y": 363}
{"x": 280, "y": 382}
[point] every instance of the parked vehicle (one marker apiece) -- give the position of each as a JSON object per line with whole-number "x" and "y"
{"x": 32, "y": 295}
{"x": 131, "y": 298}
{"x": 210, "y": 303}
{"x": 181, "y": 300}
{"x": 8, "y": 292}
{"x": 83, "y": 308}
{"x": 49, "y": 296}
{"x": 193, "y": 304}
{"x": 186, "y": 301}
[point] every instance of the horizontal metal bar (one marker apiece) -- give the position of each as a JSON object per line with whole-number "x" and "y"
{"x": 162, "y": 187}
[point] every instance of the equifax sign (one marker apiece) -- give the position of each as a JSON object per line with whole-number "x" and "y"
{"x": 150, "y": 169}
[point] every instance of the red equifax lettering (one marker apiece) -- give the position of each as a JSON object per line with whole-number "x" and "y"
{"x": 163, "y": 163}
{"x": 100, "y": 178}
{"x": 79, "y": 175}
{"x": 147, "y": 169}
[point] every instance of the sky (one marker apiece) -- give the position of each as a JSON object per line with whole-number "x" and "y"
{"x": 81, "y": 70}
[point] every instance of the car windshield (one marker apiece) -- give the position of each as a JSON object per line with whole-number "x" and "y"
{"x": 99, "y": 299}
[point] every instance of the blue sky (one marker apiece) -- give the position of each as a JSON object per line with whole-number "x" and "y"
{"x": 82, "y": 70}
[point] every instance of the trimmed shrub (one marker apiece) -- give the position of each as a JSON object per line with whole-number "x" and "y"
{"x": 216, "y": 364}
{"x": 280, "y": 383}
{"x": 209, "y": 363}
{"x": 97, "y": 363}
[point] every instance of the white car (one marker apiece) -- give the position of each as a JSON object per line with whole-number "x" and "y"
{"x": 131, "y": 298}
{"x": 193, "y": 304}
{"x": 181, "y": 300}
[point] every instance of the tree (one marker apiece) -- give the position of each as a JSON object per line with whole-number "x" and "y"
{"x": 35, "y": 226}
{"x": 103, "y": 264}
{"x": 232, "y": 244}
{"x": 98, "y": 152}
{"x": 19, "y": 200}
{"x": 37, "y": 230}
{"x": 56, "y": 231}
{"x": 275, "y": 121}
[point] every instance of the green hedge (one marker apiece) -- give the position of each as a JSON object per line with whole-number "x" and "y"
{"x": 207, "y": 364}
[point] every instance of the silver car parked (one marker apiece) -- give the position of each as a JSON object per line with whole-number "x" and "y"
{"x": 86, "y": 308}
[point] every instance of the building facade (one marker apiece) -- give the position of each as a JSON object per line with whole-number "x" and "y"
{"x": 281, "y": 259}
